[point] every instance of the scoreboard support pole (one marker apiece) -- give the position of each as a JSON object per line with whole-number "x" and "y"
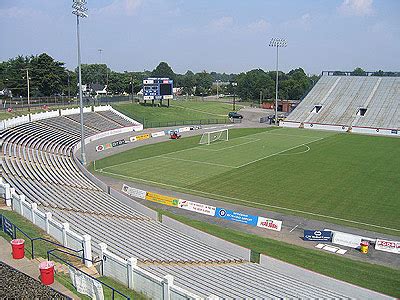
{"x": 152, "y": 102}
{"x": 168, "y": 102}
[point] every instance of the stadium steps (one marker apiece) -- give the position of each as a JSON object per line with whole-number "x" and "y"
{"x": 128, "y": 233}
{"x": 342, "y": 96}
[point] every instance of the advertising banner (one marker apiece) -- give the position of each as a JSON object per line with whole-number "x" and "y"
{"x": 158, "y": 198}
{"x": 236, "y": 216}
{"x": 197, "y": 207}
{"x": 184, "y": 129}
{"x": 110, "y": 145}
{"x": 139, "y": 137}
{"x": 317, "y": 235}
{"x": 346, "y": 239}
{"x": 157, "y": 134}
{"x": 269, "y": 223}
{"x": 134, "y": 192}
{"x": 388, "y": 246}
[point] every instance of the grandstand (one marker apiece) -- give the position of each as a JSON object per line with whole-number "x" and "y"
{"x": 361, "y": 104}
{"x": 38, "y": 161}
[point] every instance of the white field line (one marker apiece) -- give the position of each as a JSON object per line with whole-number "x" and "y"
{"x": 197, "y": 147}
{"x": 251, "y": 202}
{"x": 221, "y": 149}
{"x": 198, "y": 162}
{"x": 302, "y": 152}
{"x": 276, "y": 153}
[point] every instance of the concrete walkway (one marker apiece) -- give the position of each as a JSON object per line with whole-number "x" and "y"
{"x": 28, "y": 267}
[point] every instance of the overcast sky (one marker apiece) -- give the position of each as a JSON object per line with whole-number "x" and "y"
{"x": 213, "y": 35}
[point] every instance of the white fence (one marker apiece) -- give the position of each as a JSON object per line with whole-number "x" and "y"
{"x": 59, "y": 231}
{"x": 4, "y": 124}
{"x": 124, "y": 271}
{"x": 129, "y": 273}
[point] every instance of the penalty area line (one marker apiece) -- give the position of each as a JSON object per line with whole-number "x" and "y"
{"x": 250, "y": 202}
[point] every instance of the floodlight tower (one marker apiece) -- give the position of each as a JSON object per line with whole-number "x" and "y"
{"x": 278, "y": 43}
{"x": 79, "y": 10}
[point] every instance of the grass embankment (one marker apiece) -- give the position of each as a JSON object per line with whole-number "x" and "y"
{"x": 340, "y": 178}
{"x": 41, "y": 249}
{"x": 179, "y": 112}
{"x": 374, "y": 277}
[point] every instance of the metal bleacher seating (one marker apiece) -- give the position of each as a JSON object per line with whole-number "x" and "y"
{"x": 341, "y": 97}
{"x": 38, "y": 162}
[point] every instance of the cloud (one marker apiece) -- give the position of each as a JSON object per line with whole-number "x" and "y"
{"x": 221, "y": 23}
{"x": 126, "y": 7}
{"x": 356, "y": 7}
{"x": 260, "y": 25}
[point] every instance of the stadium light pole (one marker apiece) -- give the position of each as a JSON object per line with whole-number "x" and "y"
{"x": 79, "y": 10}
{"x": 234, "y": 84}
{"x": 278, "y": 43}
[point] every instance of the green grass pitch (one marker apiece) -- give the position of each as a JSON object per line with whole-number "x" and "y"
{"x": 341, "y": 178}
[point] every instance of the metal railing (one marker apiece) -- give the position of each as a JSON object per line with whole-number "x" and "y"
{"x": 11, "y": 230}
{"x": 113, "y": 290}
{"x": 156, "y": 124}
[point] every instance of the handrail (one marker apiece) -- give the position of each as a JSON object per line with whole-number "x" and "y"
{"x": 90, "y": 276}
{"x": 15, "y": 228}
{"x": 84, "y": 259}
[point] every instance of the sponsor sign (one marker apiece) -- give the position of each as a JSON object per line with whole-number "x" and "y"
{"x": 236, "y": 216}
{"x": 139, "y": 137}
{"x": 110, "y": 145}
{"x": 158, "y": 134}
{"x": 134, "y": 192}
{"x": 184, "y": 129}
{"x": 158, "y": 198}
{"x": 346, "y": 239}
{"x": 197, "y": 207}
{"x": 118, "y": 143}
{"x": 388, "y": 246}
{"x": 317, "y": 235}
{"x": 269, "y": 223}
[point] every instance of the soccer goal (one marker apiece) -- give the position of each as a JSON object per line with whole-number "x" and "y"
{"x": 213, "y": 136}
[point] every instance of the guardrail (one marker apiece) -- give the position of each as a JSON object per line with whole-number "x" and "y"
{"x": 11, "y": 230}
{"x": 155, "y": 124}
{"x": 113, "y": 290}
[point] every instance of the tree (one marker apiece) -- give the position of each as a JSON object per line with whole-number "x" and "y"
{"x": 94, "y": 73}
{"x": 163, "y": 70}
{"x": 358, "y": 72}
{"x": 48, "y": 75}
{"x": 203, "y": 83}
{"x": 188, "y": 82}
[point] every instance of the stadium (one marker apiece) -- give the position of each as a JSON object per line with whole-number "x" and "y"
{"x": 231, "y": 208}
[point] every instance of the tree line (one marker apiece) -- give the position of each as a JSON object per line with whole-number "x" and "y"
{"x": 49, "y": 77}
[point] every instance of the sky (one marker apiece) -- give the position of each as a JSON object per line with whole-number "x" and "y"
{"x": 229, "y": 36}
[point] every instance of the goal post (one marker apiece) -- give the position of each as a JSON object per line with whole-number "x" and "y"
{"x": 210, "y": 137}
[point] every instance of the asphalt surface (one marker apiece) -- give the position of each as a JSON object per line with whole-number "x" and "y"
{"x": 293, "y": 226}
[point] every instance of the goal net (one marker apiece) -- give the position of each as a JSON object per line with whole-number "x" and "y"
{"x": 213, "y": 136}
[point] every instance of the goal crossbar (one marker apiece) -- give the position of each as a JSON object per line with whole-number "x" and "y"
{"x": 212, "y": 136}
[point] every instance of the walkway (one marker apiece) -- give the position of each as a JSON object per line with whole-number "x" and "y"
{"x": 28, "y": 267}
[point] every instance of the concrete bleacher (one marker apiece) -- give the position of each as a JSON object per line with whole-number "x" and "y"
{"x": 38, "y": 162}
{"x": 341, "y": 97}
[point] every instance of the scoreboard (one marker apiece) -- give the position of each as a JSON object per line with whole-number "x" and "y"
{"x": 157, "y": 89}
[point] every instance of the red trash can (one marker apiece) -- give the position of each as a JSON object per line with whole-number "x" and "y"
{"x": 46, "y": 272}
{"x": 18, "y": 248}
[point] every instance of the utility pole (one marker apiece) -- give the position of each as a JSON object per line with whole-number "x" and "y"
{"x": 260, "y": 98}
{"x": 132, "y": 87}
{"x": 234, "y": 84}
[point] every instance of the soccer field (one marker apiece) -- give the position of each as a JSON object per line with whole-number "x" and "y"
{"x": 340, "y": 178}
